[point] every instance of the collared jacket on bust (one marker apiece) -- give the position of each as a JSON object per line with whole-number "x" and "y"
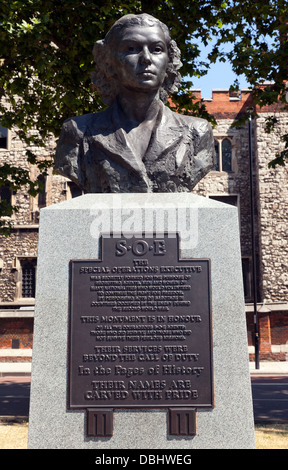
{"x": 94, "y": 152}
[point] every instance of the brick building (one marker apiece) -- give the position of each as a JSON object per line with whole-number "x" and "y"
{"x": 229, "y": 182}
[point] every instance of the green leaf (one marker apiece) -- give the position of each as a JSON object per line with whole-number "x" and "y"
{"x": 52, "y": 42}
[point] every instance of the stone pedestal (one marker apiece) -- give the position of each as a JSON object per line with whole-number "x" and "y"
{"x": 71, "y": 230}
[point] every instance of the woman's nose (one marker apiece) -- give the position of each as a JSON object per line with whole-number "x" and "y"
{"x": 145, "y": 56}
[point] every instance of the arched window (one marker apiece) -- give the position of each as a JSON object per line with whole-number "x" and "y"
{"x": 223, "y": 149}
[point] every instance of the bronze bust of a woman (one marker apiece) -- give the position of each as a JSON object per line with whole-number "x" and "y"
{"x": 137, "y": 144}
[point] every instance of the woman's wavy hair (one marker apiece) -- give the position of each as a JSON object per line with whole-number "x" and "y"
{"x": 103, "y": 76}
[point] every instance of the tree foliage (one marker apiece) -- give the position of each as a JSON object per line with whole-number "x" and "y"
{"x": 46, "y": 59}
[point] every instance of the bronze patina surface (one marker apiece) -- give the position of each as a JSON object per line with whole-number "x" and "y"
{"x": 137, "y": 144}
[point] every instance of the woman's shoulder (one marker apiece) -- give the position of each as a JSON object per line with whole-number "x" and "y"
{"x": 200, "y": 124}
{"x": 77, "y": 125}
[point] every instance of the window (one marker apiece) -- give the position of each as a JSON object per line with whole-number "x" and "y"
{"x": 229, "y": 199}
{"x": 28, "y": 269}
{"x": 75, "y": 191}
{"x": 223, "y": 149}
{"x": 247, "y": 281}
{"x": 5, "y": 194}
{"x": 42, "y": 194}
{"x": 3, "y": 137}
{"x": 25, "y": 268}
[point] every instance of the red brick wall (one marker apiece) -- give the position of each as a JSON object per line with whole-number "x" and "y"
{"x": 273, "y": 330}
{"x": 16, "y": 328}
{"x": 279, "y": 328}
{"x": 223, "y": 106}
{"x": 226, "y": 106}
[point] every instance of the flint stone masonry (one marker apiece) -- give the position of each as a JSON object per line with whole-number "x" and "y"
{"x": 230, "y": 424}
{"x": 15, "y": 155}
{"x": 235, "y": 182}
{"x": 270, "y": 188}
{"x": 20, "y": 244}
{"x": 23, "y": 241}
{"x": 273, "y": 206}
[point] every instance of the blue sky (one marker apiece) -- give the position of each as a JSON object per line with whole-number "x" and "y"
{"x": 219, "y": 75}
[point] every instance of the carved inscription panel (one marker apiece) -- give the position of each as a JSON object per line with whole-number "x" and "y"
{"x": 140, "y": 327}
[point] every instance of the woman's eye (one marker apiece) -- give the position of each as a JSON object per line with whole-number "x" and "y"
{"x": 132, "y": 48}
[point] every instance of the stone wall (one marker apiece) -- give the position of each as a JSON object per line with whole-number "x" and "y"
{"x": 270, "y": 213}
{"x": 270, "y": 188}
{"x": 23, "y": 241}
{"x": 234, "y": 183}
{"x": 273, "y": 202}
{"x": 21, "y": 244}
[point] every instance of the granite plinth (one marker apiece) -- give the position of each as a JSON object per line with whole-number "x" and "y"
{"x": 71, "y": 230}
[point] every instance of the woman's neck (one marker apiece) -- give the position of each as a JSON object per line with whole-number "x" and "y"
{"x": 139, "y": 107}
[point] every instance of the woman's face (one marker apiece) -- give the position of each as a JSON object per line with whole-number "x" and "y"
{"x": 141, "y": 58}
